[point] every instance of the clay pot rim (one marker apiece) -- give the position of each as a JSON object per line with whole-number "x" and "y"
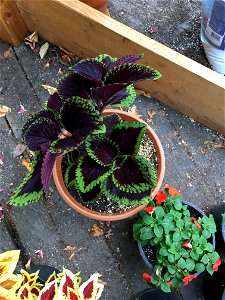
{"x": 69, "y": 199}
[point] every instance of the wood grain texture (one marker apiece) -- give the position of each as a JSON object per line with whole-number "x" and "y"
{"x": 12, "y": 26}
{"x": 185, "y": 85}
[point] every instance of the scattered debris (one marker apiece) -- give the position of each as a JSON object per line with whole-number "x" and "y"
{"x": 143, "y": 93}
{"x": 39, "y": 253}
{"x": 71, "y": 256}
{"x": 1, "y": 213}
{"x": 18, "y": 150}
{"x": 65, "y": 60}
{"x": 26, "y": 163}
{"x": 70, "y": 248}
{"x": 43, "y": 50}
{"x": 1, "y": 160}
{"x": 27, "y": 266}
{"x": 21, "y": 109}
{"x": 153, "y": 29}
{"x": 7, "y": 53}
{"x": 31, "y": 40}
{"x": 4, "y": 110}
{"x": 70, "y": 54}
{"x": 151, "y": 114}
{"x": 49, "y": 88}
{"x": 1, "y": 190}
{"x": 210, "y": 145}
{"x": 96, "y": 231}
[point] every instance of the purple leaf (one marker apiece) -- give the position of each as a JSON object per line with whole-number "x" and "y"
{"x": 35, "y": 117}
{"x": 130, "y": 73}
{"x": 110, "y": 189}
{"x": 110, "y": 121}
{"x": 89, "y": 173}
{"x": 70, "y": 143}
{"x": 90, "y": 195}
{"x": 47, "y": 167}
{"x": 55, "y": 102}
{"x": 126, "y": 60}
{"x": 91, "y": 69}
{"x": 41, "y": 133}
{"x": 129, "y": 173}
{"x": 108, "y": 94}
{"x": 102, "y": 150}
{"x": 128, "y": 136}
{"x": 80, "y": 117}
{"x": 75, "y": 85}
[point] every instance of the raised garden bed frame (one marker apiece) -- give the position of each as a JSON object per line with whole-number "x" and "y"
{"x": 186, "y": 85}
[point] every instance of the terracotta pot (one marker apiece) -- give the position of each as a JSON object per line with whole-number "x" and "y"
{"x": 58, "y": 177}
{"x": 101, "y": 5}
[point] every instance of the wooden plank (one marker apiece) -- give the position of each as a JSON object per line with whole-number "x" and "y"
{"x": 12, "y": 26}
{"x": 186, "y": 85}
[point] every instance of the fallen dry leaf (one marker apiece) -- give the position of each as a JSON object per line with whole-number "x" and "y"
{"x": 1, "y": 160}
{"x": 1, "y": 213}
{"x": 96, "y": 230}
{"x": 43, "y": 50}
{"x": 143, "y": 93}
{"x": 7, "y": 53}
{"x": 26, "y": 163}
{"x": 151, "y": 113}
{"x": 65, "y": 59}
{"x": 70, "y": 248}
{"x": 33, "y": 37}
{"x": 4, "y": 110}
{"x": 70, "y": 54}
{"x": 18, "y": 150}
{"x": 153, "y": 29}
{"x": 27, "y": 266}
{"x": 71, "y": 256}
{"x": 49, "y": 88}
{"x": 39, "y": 253}
{"x": 30, "y": 44}
{"x": 21, "y": 109}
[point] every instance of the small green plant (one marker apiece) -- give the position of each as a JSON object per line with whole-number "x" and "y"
{"x": 180, "y": 241}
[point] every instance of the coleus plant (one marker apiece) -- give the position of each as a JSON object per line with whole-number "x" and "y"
{"x": 27, "y": 286}
{"x": 71, "y": 122}
{"x": 180, "y": 241}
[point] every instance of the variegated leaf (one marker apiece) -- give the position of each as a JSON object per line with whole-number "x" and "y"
{"x": 48, "y": 292}
{"x": 8, "y": 262}
{"x": 91, "y": 289}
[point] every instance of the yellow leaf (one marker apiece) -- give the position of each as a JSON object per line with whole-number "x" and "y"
{"x": 8, "y": 262}
{"x": 6, "y": 295}
{"x": 26, "y": 163}
{"x": 13, "y": 283}
{"x": 43, "y": 50}
{"x": 33, "y": 37}
{"x": 4, "y": 110}
{"x": 50, "y": 89}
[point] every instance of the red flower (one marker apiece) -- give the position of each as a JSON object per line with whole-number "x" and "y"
{"x": 187, "y": 245}
{"x": 147, "y": 277}
{"x": 217, "y": 264}
{"x": 169, "y": 282}
{"x": 196, "y": 222}
{"x": 172, "y": 191}
{"x": 160, "y": 197}
{"x": 188, "y": 279}
{"x": 150, "y": 209}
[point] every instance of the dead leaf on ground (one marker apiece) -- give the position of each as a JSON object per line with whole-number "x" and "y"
{"x": 71, "y": 256}
{"x": 27, "y": 265}
{"x": 70, "y": 54}
{"x": 96, "y": 230}
{"x": 21, "y": 109}
{"x": 30, "y": 44}
{"x": 26, "y": 163}
{"x": 7, "y": 53}
{"x": 151, "y": 113}
{"x": 210, "y": 145}
{"x": 4, "y": 110}
{"x": 33, "y": 37}
{"x": 153, "y": 29}
{"x": 43, "y": 50}
{"x": 70, "y": 248}
{"x": 143, "y": 93}
{"x": 49, "y": 88}
{"x": 1, "y": 160}
{"x": 65, "y": 59}
{"x": 18, "y": 150}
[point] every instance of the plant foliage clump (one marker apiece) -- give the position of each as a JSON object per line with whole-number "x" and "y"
{"x": 102, "y": 153}
{"x": 180, "y": 240}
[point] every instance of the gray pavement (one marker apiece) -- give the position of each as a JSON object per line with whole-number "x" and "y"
{"x": 194, "y": 165}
